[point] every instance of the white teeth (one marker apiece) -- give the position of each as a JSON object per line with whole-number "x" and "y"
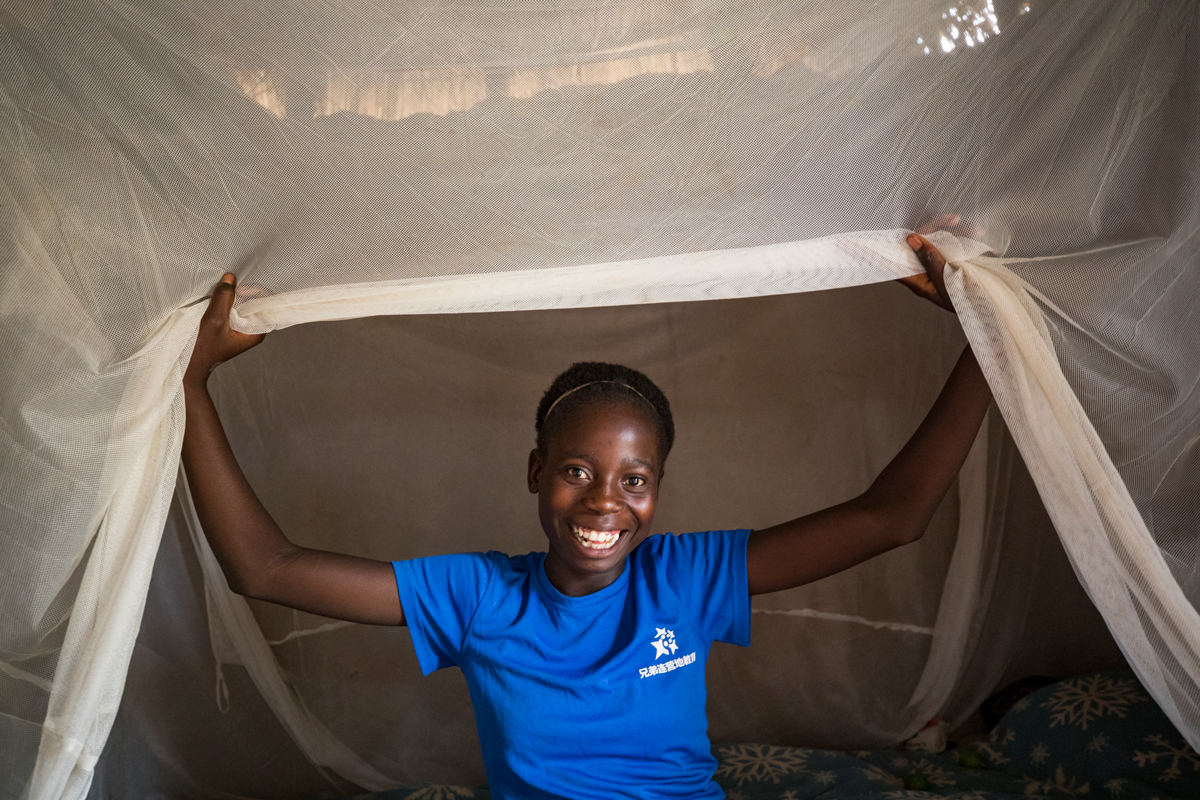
{"x": 596, "y": 540}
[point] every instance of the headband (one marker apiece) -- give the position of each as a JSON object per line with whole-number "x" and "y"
{"x": 593, "y": 383}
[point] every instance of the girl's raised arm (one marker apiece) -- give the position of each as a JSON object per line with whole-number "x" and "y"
{"x": 258, "y": 560}
{"x": 898, "y": 506}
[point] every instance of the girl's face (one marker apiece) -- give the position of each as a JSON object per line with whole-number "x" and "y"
{"x": 597, "y": 488}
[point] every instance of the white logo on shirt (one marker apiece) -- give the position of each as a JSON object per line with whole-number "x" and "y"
{"x": 667, "y": 666}
{"x": 664, "y": 643}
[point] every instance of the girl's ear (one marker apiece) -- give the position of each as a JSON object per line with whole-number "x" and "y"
{"x": 535, "y": 470}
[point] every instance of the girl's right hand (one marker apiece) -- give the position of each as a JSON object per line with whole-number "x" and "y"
{"x": 258, "y": 560}
{"x": 216, "y": 341}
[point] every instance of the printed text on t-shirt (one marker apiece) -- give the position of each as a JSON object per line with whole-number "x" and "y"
{"x": 667, "y": 666}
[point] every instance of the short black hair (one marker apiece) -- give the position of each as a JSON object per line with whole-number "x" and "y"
{"x": 593, "y": 381}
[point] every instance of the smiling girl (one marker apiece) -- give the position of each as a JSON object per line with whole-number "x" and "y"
{"x": 585, "y": 663}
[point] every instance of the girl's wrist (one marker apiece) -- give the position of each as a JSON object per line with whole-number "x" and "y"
{"x": 196, "y": 381}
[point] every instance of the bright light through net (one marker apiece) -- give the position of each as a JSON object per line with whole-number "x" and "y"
{"x": 967, "y": 24}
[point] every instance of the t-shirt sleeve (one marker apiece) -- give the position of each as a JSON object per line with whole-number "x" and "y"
{"x": 439, "y": 596}
{"x": 707, "y": 572}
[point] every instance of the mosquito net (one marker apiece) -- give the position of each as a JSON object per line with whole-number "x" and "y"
{"x": 583, "y": 172}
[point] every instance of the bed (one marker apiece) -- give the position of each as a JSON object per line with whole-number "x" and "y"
{"x": 1091, "y": 736}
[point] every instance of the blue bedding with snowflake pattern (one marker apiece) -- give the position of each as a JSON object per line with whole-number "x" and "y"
{"x": 1094, "y": 736}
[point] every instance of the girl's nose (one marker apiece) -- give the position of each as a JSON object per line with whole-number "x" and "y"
{"x": 604, "y": 497}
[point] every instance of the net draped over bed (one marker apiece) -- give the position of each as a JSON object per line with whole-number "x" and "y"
{"x": 593, "y": 167}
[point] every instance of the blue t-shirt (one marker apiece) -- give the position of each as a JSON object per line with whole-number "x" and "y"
{"x": 598, "y": 696}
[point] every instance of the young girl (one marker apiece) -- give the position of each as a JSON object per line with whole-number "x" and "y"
{"x": 585, "y": 663}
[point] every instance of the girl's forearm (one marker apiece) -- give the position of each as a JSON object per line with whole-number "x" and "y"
{"x": 910, "y": 488}
{"x": 243, "y": 536}
{"x": 894, "y": 511}
{"x": 257, "y": 559}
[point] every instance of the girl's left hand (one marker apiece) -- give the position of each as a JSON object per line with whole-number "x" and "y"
{"x": 931, "y": 285}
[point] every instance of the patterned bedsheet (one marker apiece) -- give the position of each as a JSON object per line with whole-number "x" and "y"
{"x": 1094, "y": 737}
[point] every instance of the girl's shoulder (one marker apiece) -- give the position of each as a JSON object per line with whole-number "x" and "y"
{"x": 680, "y": 556}
{"x": 693, "y": 545}
{"x": 524, "y": 563}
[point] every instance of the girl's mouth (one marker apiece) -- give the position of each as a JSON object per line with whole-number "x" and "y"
{"x": 595, "y": 540}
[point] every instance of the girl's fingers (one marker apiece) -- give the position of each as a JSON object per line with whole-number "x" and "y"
{"x": 954, "y": 224}
{"x": 929, "y": 256}
{"x": 217, "y": 314}
{"x": 940, "y": 222}
{"x": 216, "y": 341}
{"x": 226, "y": 341}
{"x": 935, "y": 267}
{"x": 921, "y": 286}
{"x": 251, "y": 291}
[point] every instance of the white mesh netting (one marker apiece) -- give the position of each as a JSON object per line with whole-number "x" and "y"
{"x": 573, "y": 165}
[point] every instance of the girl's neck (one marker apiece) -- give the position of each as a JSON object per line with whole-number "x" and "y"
{"x": 578, "y": 584}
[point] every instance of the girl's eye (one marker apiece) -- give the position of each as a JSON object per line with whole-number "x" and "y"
{"x": 636, "y": 481}
{"x": 576, "y": 472}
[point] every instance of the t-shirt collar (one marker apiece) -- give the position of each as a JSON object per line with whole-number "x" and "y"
{"x": 555, "y": 596}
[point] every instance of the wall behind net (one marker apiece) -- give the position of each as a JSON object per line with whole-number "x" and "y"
{"x": 154, "y": 146}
